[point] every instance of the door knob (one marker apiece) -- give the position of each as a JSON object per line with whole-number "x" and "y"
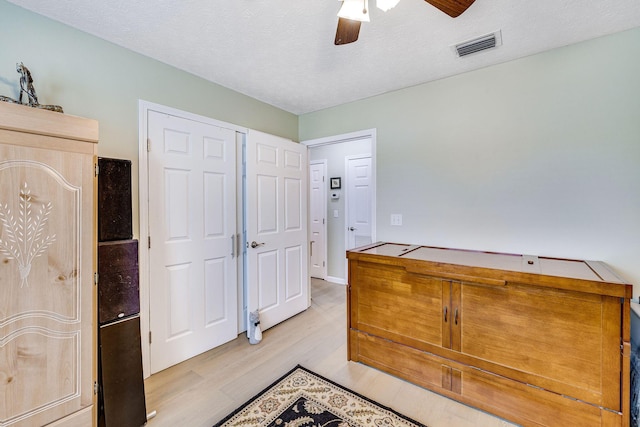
{"x": 352, "y": 229}
{"x": 255, "y": 244}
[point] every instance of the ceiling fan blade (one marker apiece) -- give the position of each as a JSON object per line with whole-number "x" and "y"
{"x": 453, "y": 8}
{"x": 347, "y": 31}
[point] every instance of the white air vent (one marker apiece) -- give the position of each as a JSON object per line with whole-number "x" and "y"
{"x": 478, "y": 44}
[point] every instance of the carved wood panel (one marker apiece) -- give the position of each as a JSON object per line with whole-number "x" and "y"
{"x": 46, "y": 271}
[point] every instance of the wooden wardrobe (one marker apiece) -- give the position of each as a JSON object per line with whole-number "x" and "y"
{"x": 47, "y": 266}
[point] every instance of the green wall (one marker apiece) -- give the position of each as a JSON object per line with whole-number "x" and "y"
{"x": 93, "y": 78}
{"x": 538, "y": 156}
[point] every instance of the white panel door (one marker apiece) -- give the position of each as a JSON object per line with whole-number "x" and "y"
{"x": 192, "y": 226}
{"x": 276, "y": 215}
{"x": 317, "y": 222}
{"x": 359, "y": 201}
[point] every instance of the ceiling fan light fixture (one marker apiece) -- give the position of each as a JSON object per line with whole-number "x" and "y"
{"x": 385, "y": 5}
{"x": 355, "y": 10}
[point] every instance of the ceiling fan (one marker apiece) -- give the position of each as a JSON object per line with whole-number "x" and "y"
{"x": 354, "y": 12}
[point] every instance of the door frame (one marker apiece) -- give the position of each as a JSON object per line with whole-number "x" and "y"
{"x": 143, "y": 211}
{"x": 345, "y": 138}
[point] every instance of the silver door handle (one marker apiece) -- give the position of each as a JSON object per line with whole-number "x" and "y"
{"x": 255, "y": 244}
{"x": 352, "y": 229}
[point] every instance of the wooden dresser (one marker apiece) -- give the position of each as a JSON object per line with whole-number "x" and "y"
{"x": 537, "y": 341}
{"x": 47, "y": 265}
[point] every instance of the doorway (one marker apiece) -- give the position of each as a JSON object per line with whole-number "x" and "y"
{"x": 335, "y": 150}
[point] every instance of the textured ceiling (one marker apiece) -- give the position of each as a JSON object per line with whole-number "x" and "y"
{"x": 282, "y": 52}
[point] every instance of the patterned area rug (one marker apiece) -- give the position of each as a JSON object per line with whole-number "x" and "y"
{"x": 302, "y": 398}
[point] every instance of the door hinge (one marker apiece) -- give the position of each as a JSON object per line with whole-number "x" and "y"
{"x": 148, "y": 145}
{"x": 95, "y": 278}
{"x": 323, "y": 263}
{"x": 149, "y": 337}
{"x": 148, "y": 242}
{"x": 96, "y": 169}
{"x": 95, "y": 387}
{"x": 322, "y": 221}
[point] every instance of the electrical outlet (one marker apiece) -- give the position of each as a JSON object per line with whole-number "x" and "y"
{"x": 396, "y": 219}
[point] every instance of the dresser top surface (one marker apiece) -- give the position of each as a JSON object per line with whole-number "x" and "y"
{"x": 570, "y": 268}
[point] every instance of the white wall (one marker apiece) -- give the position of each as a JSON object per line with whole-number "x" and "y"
{"x": 538, "y": 156}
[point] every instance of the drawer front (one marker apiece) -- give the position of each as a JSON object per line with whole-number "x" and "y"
{"x": 405, "y": 362}
{"x": 515, "y": 401}
{"x": 527, "y": 405}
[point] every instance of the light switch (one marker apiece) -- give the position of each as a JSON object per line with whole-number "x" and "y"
{"x": 396, "y": 219}
{"x": 335, "y": 213}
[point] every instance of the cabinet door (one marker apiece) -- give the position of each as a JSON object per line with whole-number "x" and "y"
{"x": 390, "y": 303}
{"x": 563, "y": 341}
{"x": 46, "y": 282}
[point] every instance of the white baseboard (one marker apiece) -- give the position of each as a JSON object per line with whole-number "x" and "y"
{"x": 336, "y": 280}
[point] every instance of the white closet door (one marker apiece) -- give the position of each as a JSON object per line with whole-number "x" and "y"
{"x": 277, "y": 273}
{"x": 192, "y": 226}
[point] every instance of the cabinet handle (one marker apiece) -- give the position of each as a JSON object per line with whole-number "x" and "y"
{"x": 233, "y": 246}
{"x": 445, "y": 313}
{"x": 455, "y": 316}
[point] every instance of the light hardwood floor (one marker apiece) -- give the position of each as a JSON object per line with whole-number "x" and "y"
{"x": 204, "y": 389}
